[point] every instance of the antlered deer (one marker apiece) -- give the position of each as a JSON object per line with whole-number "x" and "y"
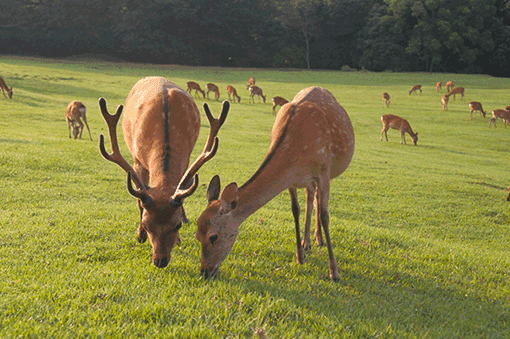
{"x": 457, "y": 90}
{"x": 476, "y": 106}
{"x": 5, "y": 88}
{"x": 213, "y": 88}
{"x": 279, "y": 101}
{"x": 254, "y": 90}
{"x": 76, "y": 111}
{"x": 251, "y": 82}
{"x": 502, "y": 114}
{"x": 449, "y": 85}
{"x": 445, "y": 100}
{"x": 415, "y": 89}
{"x": 395, "y": 122}
{"x": 438, "y": 86}
{"x": 386, "y": 99}
{"x": 312, "y": 142}
{"x": 161, "y": 125}
{"x": 232, "y": 90}
{"x": 194, "y": 86}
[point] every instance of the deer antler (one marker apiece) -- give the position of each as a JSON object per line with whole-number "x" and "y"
{"x": 210, "y": 148}
{"x": 116, "y": 156}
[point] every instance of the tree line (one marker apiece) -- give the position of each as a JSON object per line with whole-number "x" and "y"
{"x": 462, "y": 36}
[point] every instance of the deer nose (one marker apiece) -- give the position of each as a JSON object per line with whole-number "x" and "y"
{"x": 161, "y": 263}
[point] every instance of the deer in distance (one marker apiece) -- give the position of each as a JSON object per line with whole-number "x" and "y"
{"x": 161, "y": 125}
{"x": 312, "y": 142}
{"x": 5, "y": 88}
{"x": 232, "y": 91}
{"x": 444, "y": 100}
{"x": 438, "y": 86}
{"x": 76, "y": 111}
{"x": 476, "y": 106}
{"x": 250, "y": 83}
{"x": 415, "y": 89}
{"x": 395, "y": 122}
{"x": 449, "y": 85}
{"x": 254, "y": 90}
{"x": 213, "y": 88}
{"x": 386, "y": 99}
{"x": 278, "y": 101}
{"x": 194, "y": 86}
{"x": 457, "y": 90}
{"x": 503, "y": 114}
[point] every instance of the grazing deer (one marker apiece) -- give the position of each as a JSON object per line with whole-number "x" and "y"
{"x": 395, "y": 122}
{"x": 5, "y": 88}
{"x": 254, "y": 90}
{"x": 279, "y": 101}
{"x": 161, "y": 125}
{"x": 438, "y": 86}
{"x": 312, "y": 142}
{"x": 251, "y": 82}
{"x": 415, "y": 89}
{"x": 194, "y": 86}
{"x": 449, "y": 85}
{"x": 445, "y": 100}
{"x": 457, "y": 90}
{"x": 76, "y": 111}
{"x": 232, "y": 90}
{"x": 386, "y": 99}
{"x": 476, "y": 106}
{"x": 213, "y": 88}
{"x": 500, "y": 113}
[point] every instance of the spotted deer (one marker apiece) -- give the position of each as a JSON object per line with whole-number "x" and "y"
{"x": 278, "y": 101}
{"x": 415, "y": 89}
{"x": 476, "y": 106}
{"x": 161, "y": 125}
{"x": 254, "y": 90}
{"x": 503, "y": 114}
{"x": 438, "y": 86}
{"x": 213, "y": 88}
{"x": 194, "y": 86}
{"x": 76, "y": 111}
{"x": 457, "y": 90}
{"x": 250, "y": 83}
{"x": 395, "y": 122}
{"x": 386, "y": 99}
{"x": 449, "y": 85}
{"x": 445, "y": 98}
{"x": 232, "y": 91}
{"x": 312, "y": 142}
{"x": 5, "y": 88}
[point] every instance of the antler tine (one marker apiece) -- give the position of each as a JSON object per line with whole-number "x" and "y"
{"x": 116, "y": 156}
{"x": 215, "y": 124}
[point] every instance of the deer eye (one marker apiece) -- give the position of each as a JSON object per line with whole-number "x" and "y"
{"x": 213, "y": 238}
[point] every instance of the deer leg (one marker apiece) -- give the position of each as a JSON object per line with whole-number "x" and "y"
{"x": 403, "y": 137}
{"x": 318, "y": 232}
{"x": 322, "y": 202}
{"x": 86, "y": 124}
{"x": 4, "y": 93}
{"x": 81, "y": 126}
{"x": 144, "y": 175}
{"x": 310, "y": 194}
{"x": 300, "y": 253}
{"x": 69, "y": 127}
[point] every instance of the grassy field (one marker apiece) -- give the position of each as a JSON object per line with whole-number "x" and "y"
{"x": 421, "y": 233}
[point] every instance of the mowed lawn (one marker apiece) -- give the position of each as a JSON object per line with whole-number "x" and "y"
{"x": 421, "y": 233}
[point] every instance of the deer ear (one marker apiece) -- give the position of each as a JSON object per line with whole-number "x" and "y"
{"x": 213, "y": 191}
{"x": 229, "y": 197}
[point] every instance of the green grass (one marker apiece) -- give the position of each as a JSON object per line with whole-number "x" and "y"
{"x": 421, "y": 234}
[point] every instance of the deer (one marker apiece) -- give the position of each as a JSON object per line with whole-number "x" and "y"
{"x": 500, "y": 113}
{"x": 76, "y": 111}
{"x": 251, "y": 82}
{"x": 279, "y": 101}
{"x": 457, "y": 90}
{"x": 445, "y": 100}
{"x": 254, "y": 90}
{"x": 213, "y": 88}
{"x": 449, "y": 85}
{"x": 476, "y": 106}
{"x": 232, "y": 90}
{"x": 161, "y": 125}
{"x": 194, "y": 86}
{"x": 386, "y": 99}
{"x": 395, "y": 122}
{"x": 438, "y": 86}
{"x": 5, "y": 88}
{"x": 312, "y": 142}
{"x": 415, "y": 89}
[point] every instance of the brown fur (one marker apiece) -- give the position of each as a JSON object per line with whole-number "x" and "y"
{"x": 278, "y": 101}
{"x": 500, "y": 113}
{"x": 449, "y": 85}
{"x": 457, "y": 90}
{"x": 438, "y": 85}
{"x": 194, "y": 86}
{"x": 386, "y": 99}
{"x": 415, "y": 89}
{"x": 76, "y": 111}
{"x": 476, "y": 106}
{"x": 5, "y": 88}
{"x": 395, "y": 122}
{"x": 250, "y": 83}
{"x": 445, "y": 100}
{"x": 254, "y": 90}
{"x": 213, "y": 88}
{"x": 232, "y": 91}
